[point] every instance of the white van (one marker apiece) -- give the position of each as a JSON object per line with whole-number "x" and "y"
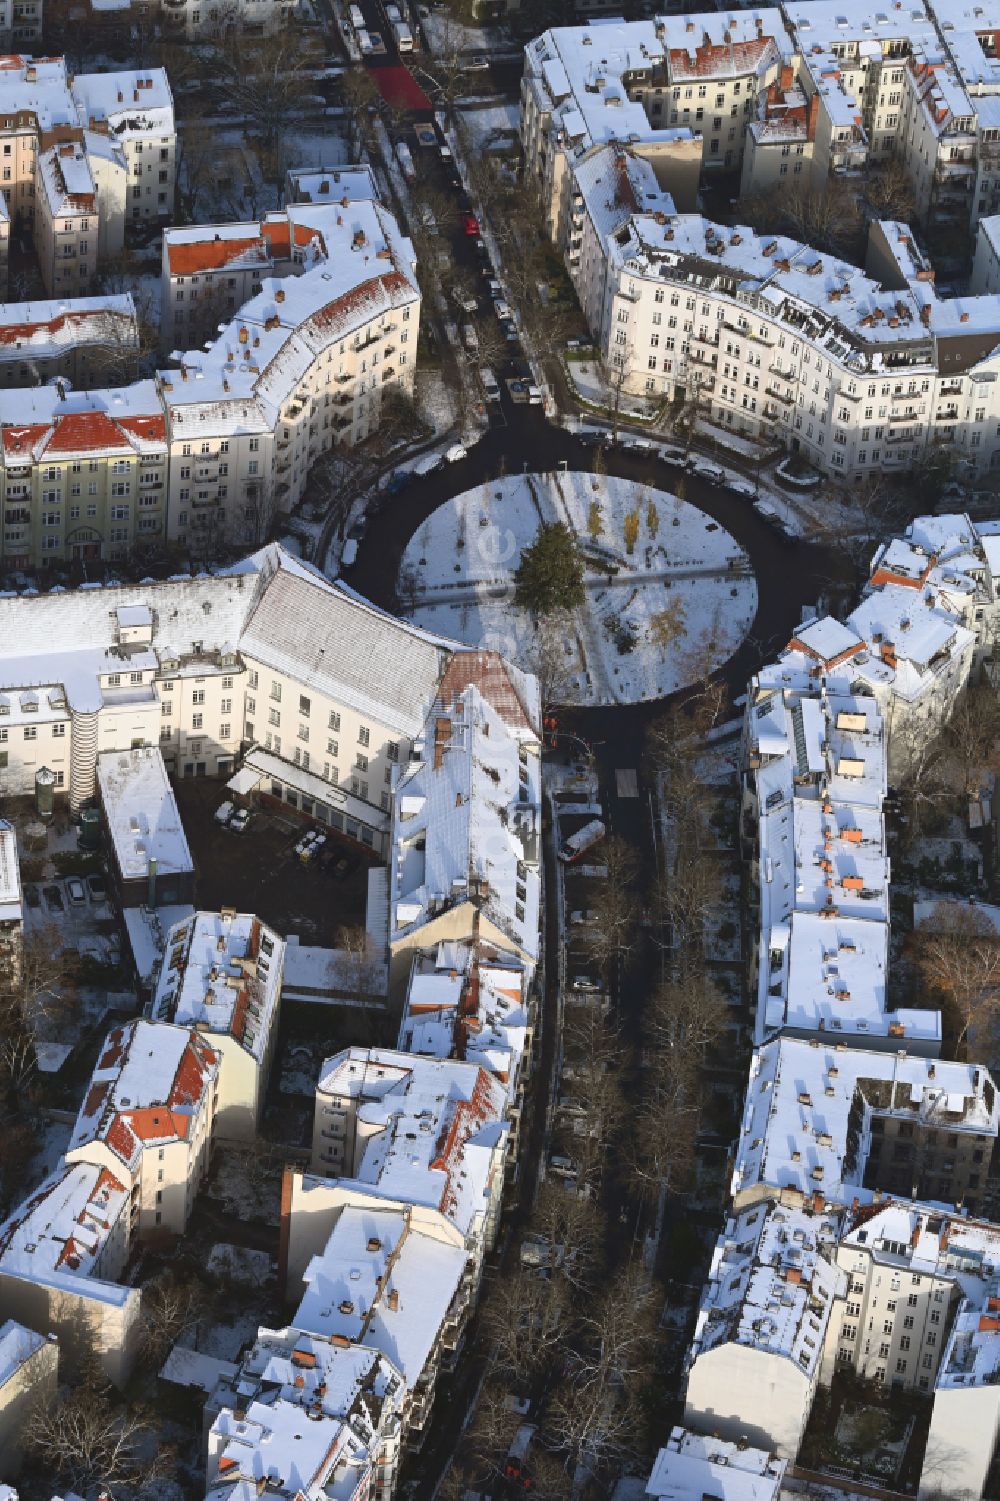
{"x": 349, "y": 556}
{"x": 490, "y": 385}
{"x": 405, "y": 158}
{"x": 365, "y": 43}
{"x": 357, "y": 19}
{"x": 470, "y": 338}
{"x": 404, "y": 37}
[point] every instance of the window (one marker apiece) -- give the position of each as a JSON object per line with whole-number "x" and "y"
{"x": 274, "y": 717}
{"x": 364, "y": 735}
{"x": 275, "y": 692}
{"x": 361, "y": 762}
{"x": 304, "y": 706}
{"x": 392, "y": 750}
{"x": 303, "y": 732}
{"x": 30, "y": 732}
{"x": 58, "y": 732}
{"x": 225, "y": 731}
{"x": 197, "y": 720}
{"x": 226, "y": 706}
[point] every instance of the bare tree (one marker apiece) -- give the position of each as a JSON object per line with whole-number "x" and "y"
{"x": 610, "y": 932}
{"x": 889, "y": 192}
{"x": 268, "y": 79}
{"x": 958, "y": 956}
{"x": 525, "y": 1321}
{"x": 85, "y": 1440}
{"x": 360, "y": 94}
{"x": 171, "y": 1309}
{"x": 552, "y": 656}
{"x": 687, "y": 1014}
{"x": 358, "y": 967}
{"x": 594, "y": 1416}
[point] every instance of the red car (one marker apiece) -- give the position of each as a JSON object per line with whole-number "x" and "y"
{"x": 470, "y": 224}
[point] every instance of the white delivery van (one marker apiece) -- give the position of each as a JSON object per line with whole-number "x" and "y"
{"x": 405, "y": 158}
{"x": 490, "y": 385}
{"x": 404, "y": 37}
{"x": 365, "y": 43}
{"x": 357, "y": 19}
{"x": 470, "y": 338}
{"x": 584, "y": 839}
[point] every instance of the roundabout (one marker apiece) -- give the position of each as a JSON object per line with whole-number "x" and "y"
{"x": 669, "y": 595}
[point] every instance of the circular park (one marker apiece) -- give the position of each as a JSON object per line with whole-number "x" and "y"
{"x": 610, "y": 590}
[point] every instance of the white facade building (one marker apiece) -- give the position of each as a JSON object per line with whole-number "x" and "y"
{"x": 147, "y": 1118}
{"x": 80, "y": 339}
{"x": 222, "y": 975}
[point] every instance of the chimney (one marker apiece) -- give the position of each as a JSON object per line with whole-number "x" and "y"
{"x": 393, "y": 1300}
{"x": 925, "y": 315}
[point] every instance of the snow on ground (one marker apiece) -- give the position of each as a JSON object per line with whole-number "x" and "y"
{"x": 245, "y": 1184}
{"x": 232, "y": 184}
{"x": 588, "y": 380}
{"x": 226, "y": 1341}
{"x": 435, "y": 401}
{"x": 239, "y": 1264}
{"x": 492, "y": 126}
{"x": 653, "y": 621}
{"x": 444, "y": 34}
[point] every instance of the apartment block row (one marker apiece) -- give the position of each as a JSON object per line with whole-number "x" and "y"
{"x": 205, "y": 456}
{"x": 792, "y": 93}
{"x": 867, "y": 1168}
{"x": 82, "y": 157}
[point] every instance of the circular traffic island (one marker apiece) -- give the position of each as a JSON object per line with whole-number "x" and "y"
{"x": 611, "y": 591}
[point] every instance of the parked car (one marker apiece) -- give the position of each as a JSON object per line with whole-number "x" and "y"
{"x": 53, "y": 898}
{"x": 98, "y": 888}
{"x": 534, "y": 396}
{"x": 456, "y": 453}
{"x": 224, "y": 813}
{"x": 76, "y": 891}
{"x": 501, "y": 308}
{"x": 470, "y": 224}
{"x": 584, "y": 982}
{"x": 583, "y": 916}
{"x": 240, "y": 819}
{"x": 584, "y": 839}
{"x": 428, "y": 463}
{"x": 478, "y": 63}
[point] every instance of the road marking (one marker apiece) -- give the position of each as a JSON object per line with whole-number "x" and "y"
{"x": 627, "y": 782}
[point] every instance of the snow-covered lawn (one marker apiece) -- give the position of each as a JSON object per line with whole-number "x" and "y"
{"x": 653, "y": 621}
{"x": 588, "y": 379}
{"x": 494, "y": 125}
{"x": 239, "y": 1264}
{"x": 444, "y": 34}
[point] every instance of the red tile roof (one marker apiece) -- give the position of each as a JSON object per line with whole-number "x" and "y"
{"x": 185, "y": 258}
{"x": 487, "y": 671}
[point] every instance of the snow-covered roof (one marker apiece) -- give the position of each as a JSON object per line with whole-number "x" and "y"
{"x": 331, "y": 184}
{"x": 772, "y": 1284}
{"x": 357, "y": 654}
{"x": 462, "y": 1004}
{"x": 385, "y": 1280}
{"x": 466, "y": 824}
{"x": 17, "y": 1346}
{"x": 693, "y": 1467}
{"x": 806, "y": 1116}
{"x": 615, "y": 183}
{"x": 222, "y": 973}
{"x": 60, "y": 1230}
{"x": 54, "y": 422}
{"x": 344, "y": 1380}
{"x": 135, "y": 103}
{"x": 301, "y": 1453}
{"x": 44, "y": 330}
{"x": 66, "y": 180}
{"x": 10, "y": 875}
{"x": 433, "y": 1128}
{"x": 149, "y": 1081}
{"x": 141, "y": 813}
{"x": 359, "y": 268}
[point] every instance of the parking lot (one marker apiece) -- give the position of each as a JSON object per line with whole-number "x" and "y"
{"x": 258, "y": 870}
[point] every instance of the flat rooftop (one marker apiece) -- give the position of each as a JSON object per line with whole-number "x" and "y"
{"x": 142, "y": 817}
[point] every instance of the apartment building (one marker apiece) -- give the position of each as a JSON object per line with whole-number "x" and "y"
{"x": 355, "y": 182}
{"x": 29, "y": 1365}
{"x": 388, "y": 1276}
{"x": 209, "y": 271}
{"x": 222, "y": 975}
{"x": 860, "y": 1122}
{"x": 147, "y": 1118}
{"x": 653, "y": 85}
{"x": 423, "y": 1130}
{"x": 11, "y": 904}
{"x": 303, "y": 366}
{"x": 80, "y": 156}
{"x": 135, "y": 110}
{"x": 80, "y": 339}
{"x": 20, "y": 22}
{"x": 339, "y": 1382}
{"x": 757, "y": 1356}
{"x": 691, "y": 1467}
{"x": 66, "y": 219}
{"x": 82, "y": 474}
{"x": 149, "y": 862}
{"x": 61, "y": 1253}
{"x": 473, "y": 873}
{"x": 985, "y": 279}
{"x": 473, "y": 1002}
